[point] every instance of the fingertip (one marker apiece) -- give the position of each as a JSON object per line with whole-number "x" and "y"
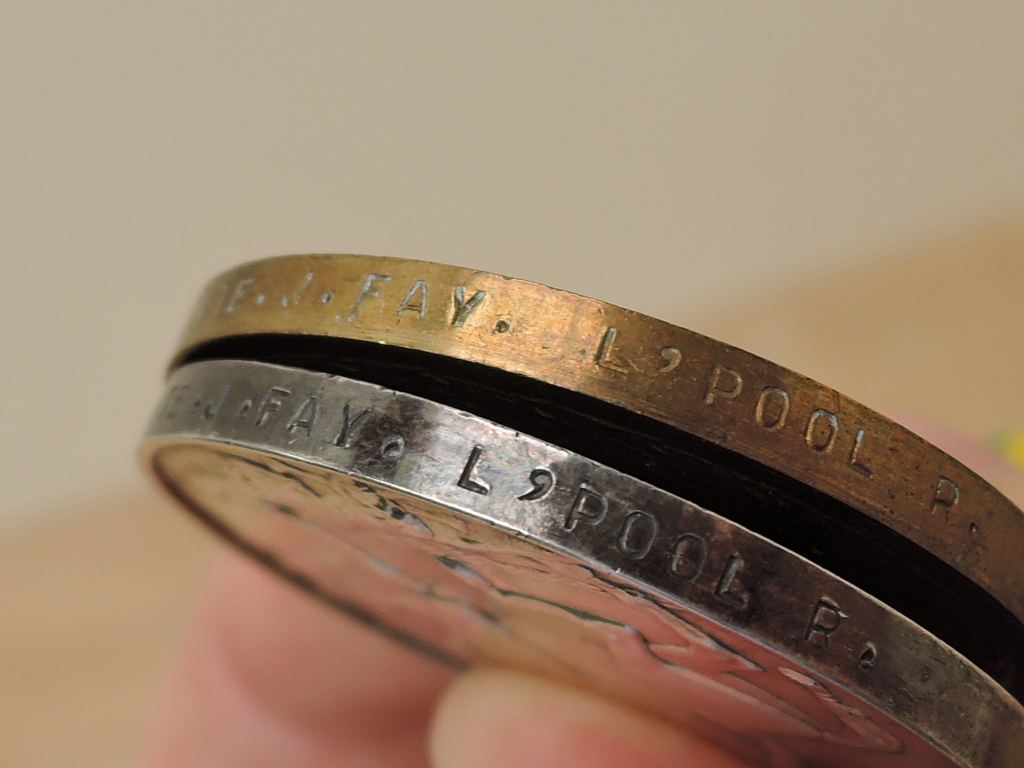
{"x": 268, "y": 676}
{"x": 502, "y": 719}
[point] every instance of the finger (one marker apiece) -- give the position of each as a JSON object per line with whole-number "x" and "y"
{"x": 269, "y": 677}
{"x": 502, "y": 719}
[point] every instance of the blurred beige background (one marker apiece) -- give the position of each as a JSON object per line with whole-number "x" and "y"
{"x": 670, "y": 157}
{"x": 837, "y": 187}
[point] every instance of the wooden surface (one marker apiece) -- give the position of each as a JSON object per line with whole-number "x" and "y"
{"x": 92, "y": 605}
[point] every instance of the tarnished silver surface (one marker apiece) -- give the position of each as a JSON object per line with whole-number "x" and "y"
{"x": 478, "y": 544}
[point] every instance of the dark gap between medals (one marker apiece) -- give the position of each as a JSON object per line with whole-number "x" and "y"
{"x": 826, "y": 531}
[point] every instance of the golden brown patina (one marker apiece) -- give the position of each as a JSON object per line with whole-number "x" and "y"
{"x": 707, "y": 388}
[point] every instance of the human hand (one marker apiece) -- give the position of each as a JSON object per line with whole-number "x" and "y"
{"x": 268, "y": 677}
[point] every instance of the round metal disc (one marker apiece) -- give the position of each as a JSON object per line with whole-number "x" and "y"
{"x": 477, "y": 544}
{"x": 719, "y": 394}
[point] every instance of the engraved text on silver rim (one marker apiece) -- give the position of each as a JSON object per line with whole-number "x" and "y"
{"x": 479, "y": 544}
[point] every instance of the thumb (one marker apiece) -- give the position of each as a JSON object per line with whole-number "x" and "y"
{"x": 501, "y": 719}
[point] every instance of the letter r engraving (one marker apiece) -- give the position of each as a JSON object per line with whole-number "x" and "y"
{"x": 825, "y": 621}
